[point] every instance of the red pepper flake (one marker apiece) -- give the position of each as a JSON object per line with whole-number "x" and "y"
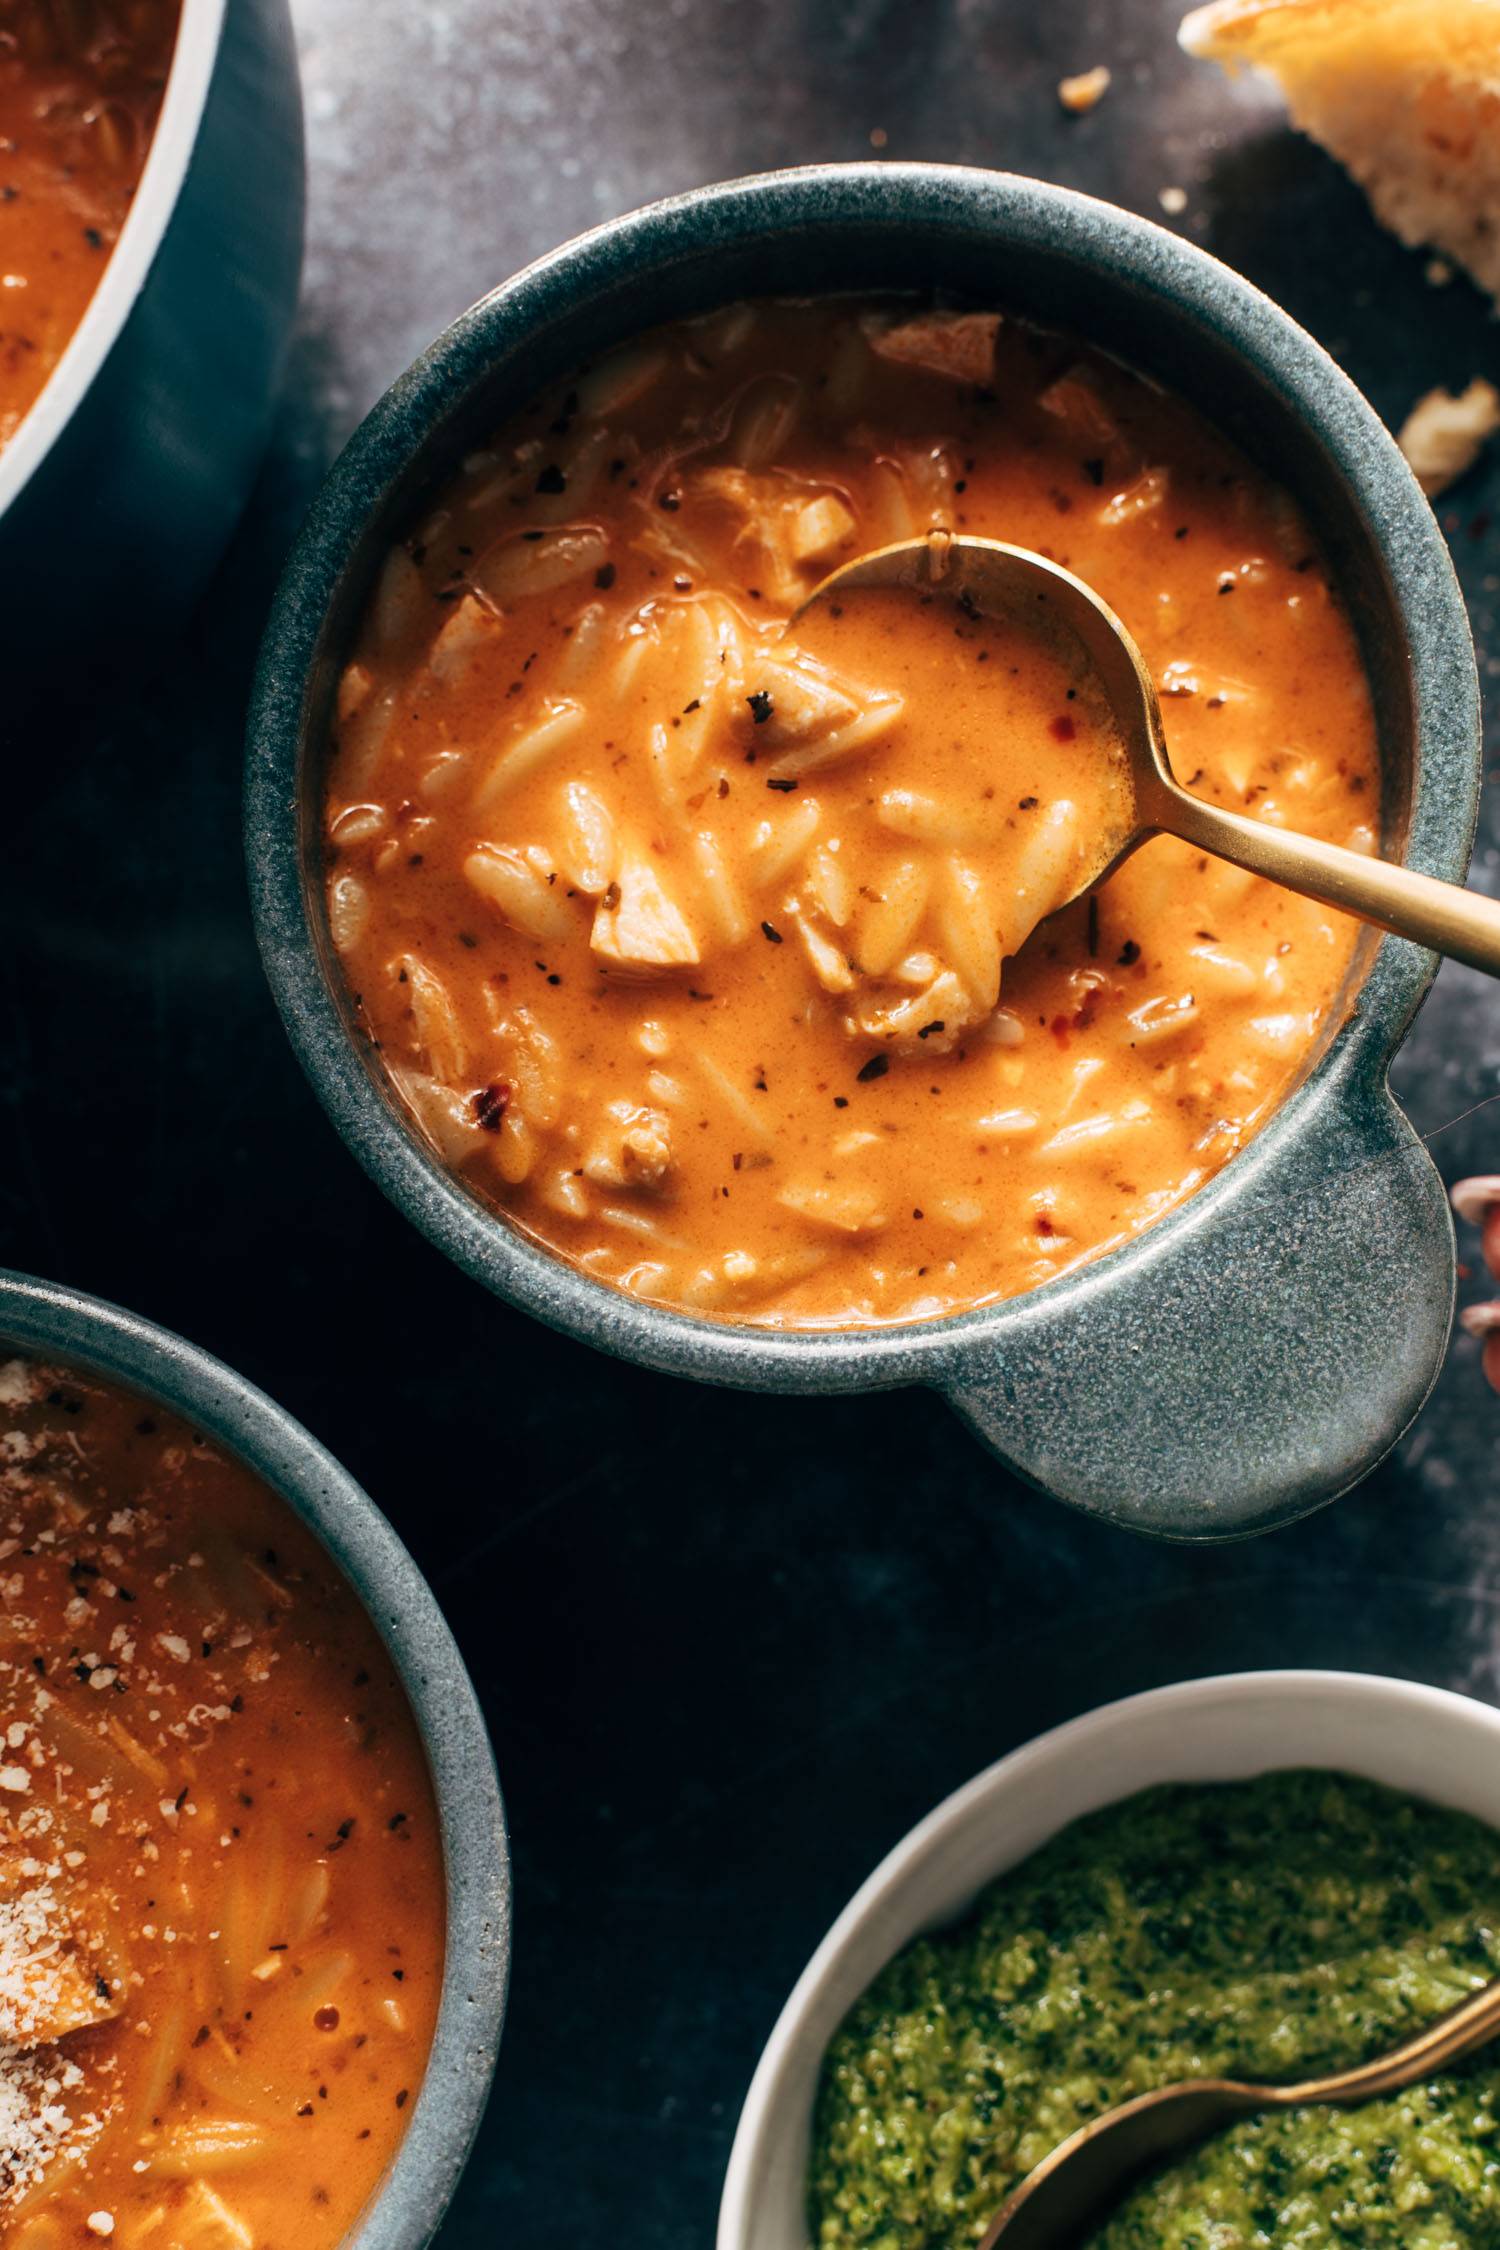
{"x": 1062, "y": 728}
{"x": 1061, "y": 1026}
{"x": 1129, "y": 954}
{"x": 604, "y": 577}
{"x": 876, "y": 1067}
{"x": 785, "y": 786}
{"x": 928, "y": 1029}
{"x": 761, "y": 706}
{"x": 490, "y": 1104}
{"x": 552, "y": 479}
{"x": 1044, "y": 1224}
{"x": 769, "y": 930}
{"x": 326, "y": 2019}
{"x": 671, "y": 501}
{"x": 1028, "y": 804}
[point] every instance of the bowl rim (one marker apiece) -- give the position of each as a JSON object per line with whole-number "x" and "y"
{"x": 1089, "y": 233}
{"x": 1380, "y": 1693}
{"x": 195, "y": 54}
{"x": 102, "y": 1338}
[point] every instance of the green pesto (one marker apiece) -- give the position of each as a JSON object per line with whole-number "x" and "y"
{"x": 1259, "y": 1929}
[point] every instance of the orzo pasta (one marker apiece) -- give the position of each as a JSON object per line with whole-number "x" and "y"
{"x": 712, "y": 956}
{"x": 221, "y": 1903}
{"x": 81, "y": 83}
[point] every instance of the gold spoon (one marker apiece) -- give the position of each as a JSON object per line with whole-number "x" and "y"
{"x": 1074, "y": 2190}
{"x": 1000, "y": 580}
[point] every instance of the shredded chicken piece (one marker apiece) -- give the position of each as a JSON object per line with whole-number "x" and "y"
{"x": 635, "y": 1149}
{"x": 960, "y": 345}
{"x": 637, "y": 926}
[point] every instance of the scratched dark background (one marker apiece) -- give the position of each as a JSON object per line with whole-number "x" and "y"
{"x": 730, "y": 1647}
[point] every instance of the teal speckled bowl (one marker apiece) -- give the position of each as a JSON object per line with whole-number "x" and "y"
{"x": 1260, "y": 1348}
{"x": 82, "y": 1332}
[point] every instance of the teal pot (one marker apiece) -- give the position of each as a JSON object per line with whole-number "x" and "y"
{"x": 1259, "y": 1349}
{"x": 82, "y": 1332}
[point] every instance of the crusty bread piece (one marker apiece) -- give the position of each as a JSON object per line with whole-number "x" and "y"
{"x": 1443, "y": 436}
{"x": 1406, "y": 93}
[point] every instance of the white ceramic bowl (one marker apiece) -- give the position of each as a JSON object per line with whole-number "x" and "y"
{"x": 1418, "y": 1739}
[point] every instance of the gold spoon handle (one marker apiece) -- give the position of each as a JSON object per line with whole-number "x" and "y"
{"x": 1443, "y": 916}
{"x": 1473, "y": 2023}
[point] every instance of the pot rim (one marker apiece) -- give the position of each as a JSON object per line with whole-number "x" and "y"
{"x": 1093, "y": 236}
{"x": 1097, "y": 1741}
{"x": 86, "y": 1331}
{"x": 195, "y": 55}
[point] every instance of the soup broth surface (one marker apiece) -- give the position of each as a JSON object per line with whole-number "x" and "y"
{"x": 221, "y": 1893}
{"x": 722, "y": 957}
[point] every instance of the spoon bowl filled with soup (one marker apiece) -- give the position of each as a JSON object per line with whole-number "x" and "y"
{"x": 692, "y": 966}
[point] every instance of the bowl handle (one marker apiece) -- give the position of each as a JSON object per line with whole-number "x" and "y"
{"x": 1252, "y": 1364}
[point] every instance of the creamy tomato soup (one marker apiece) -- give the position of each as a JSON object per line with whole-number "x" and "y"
{"x": 81, "y": 83}
{"x": 221, "y": 1901}
{"x": 721, "y": 958}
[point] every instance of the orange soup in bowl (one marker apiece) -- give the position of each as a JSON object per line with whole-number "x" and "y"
{"x": 221, "y": 1887}
{"x": 81, "y": 84}
{"x": 724, "y": 958}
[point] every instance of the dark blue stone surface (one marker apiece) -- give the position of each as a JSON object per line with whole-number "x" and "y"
{"x": 730, "y": 1647}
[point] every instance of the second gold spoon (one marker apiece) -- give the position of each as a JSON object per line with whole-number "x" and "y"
{"x": 1073, "y": 2191}
{"x": 1005, "y": 581}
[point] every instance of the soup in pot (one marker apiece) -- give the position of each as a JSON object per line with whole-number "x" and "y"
{"x": 724, "y": 958}
{"x": 81, "y": 84}
{"x": 221, "y": 1887}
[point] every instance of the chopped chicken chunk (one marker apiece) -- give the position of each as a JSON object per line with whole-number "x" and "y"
{"x": 961, "y": 345}
{"x": 635, "y": 1148}
{"x": 204, "y": 2221}
{"x": 637, "y": 926}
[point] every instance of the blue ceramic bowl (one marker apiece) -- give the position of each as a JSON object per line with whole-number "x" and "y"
{"x": 1256, "y": 1351}
{"x": 83, "y": 1332}
{"x": 151, "y": 427}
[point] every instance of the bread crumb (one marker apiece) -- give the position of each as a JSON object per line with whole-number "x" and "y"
{"x": 1443, "y": 435}
{"x": 1085, "y": 91}
{"x": 1173, "y": 200}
